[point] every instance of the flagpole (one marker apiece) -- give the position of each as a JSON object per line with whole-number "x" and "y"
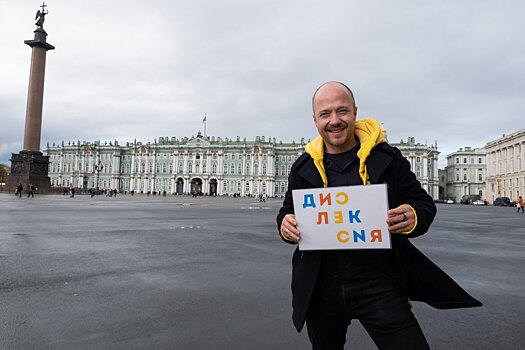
{"x": 204, "y": 120}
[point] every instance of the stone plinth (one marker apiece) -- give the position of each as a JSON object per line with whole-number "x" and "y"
{"x": 29, "y": 168}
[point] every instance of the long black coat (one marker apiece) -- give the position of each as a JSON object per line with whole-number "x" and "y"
{"x": 424, "y": 280}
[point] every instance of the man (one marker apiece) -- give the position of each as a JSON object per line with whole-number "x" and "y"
{"x": 19, "y": 190}
{"x": 30, "y": 191}
{"x": 330, "y": 288}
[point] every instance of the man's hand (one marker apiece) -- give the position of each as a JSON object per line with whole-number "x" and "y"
{"x": 289, "y": 228}
{"x": 401, "y": 219}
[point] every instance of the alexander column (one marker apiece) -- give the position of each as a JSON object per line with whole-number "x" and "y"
{"x": 30, "y": 166}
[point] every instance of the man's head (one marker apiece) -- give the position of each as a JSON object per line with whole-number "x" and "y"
{"x": 334, "y": 113}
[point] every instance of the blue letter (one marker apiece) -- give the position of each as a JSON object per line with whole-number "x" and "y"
{"x": 360, "y": 236}
{"x": 354, "y": 215}
{"x": 308, "y": 201}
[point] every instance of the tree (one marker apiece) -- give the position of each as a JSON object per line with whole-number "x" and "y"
{"x": 3, "y": 173}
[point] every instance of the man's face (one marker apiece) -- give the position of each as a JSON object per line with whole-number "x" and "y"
{"x": 334, "y": 116}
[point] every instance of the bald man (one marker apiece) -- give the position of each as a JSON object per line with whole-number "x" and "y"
{"x": 332, "y": 288}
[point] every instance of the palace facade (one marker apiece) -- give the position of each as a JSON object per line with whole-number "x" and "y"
{"x": 201, "y": 164}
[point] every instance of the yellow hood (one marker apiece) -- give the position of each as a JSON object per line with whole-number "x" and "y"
{"x": 369, "y": 133}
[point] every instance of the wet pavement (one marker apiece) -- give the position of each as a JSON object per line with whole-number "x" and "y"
{"x": 211, "y": 273}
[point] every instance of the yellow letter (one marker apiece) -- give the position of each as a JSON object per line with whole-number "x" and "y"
{"x": 342, "y": 201}
{"x": 340, "y": 238}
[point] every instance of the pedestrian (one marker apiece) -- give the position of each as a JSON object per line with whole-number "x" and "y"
{"x": 19, "y": 190}
{"x": 30, "y": 191}
{"x": 72, "y": 192}
{"x": 330, "y": 288}
{"x": 520, "y": 204}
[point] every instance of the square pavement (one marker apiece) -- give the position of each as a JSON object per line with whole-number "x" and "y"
{"x": 175, "y": 272}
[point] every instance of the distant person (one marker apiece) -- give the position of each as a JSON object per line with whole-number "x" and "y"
{"x": 30, "y": 191}
{"x": 521, "y": 204}
{"x": 72, "y": 192}
{"x": 19, "y": 190}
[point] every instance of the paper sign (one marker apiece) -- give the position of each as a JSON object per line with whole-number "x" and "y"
{"x": 349, "y": 217}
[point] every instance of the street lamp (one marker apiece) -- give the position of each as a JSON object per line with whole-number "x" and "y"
{"x": 98, "y": 167}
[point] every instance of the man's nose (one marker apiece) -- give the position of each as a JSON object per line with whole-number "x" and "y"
{"x": 334, "y": 118}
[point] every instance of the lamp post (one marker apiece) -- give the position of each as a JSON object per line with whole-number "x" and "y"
{"x": 98, "y": 167}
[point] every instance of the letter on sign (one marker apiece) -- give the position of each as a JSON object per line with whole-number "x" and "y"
{"x": 322, "y": 215}
{"x": 354, "y": 215}
{"x": 341, "y": 201}
{"x": 308, "y": 201}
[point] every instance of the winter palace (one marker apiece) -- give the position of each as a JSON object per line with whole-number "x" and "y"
{"x": 201, "y": 164}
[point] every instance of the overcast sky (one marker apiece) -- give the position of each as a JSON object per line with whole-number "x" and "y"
{"x": 447, "y": 71}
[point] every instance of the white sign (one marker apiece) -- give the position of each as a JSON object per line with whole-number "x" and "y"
{"x": 349, "y": 217}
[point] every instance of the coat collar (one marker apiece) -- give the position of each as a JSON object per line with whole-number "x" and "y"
{"x": 379, "y": 159}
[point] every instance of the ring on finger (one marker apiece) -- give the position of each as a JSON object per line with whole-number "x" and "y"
{"x": 404, "y": 216}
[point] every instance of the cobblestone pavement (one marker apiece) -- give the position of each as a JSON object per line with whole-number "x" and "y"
{"x": 210, "y": 273}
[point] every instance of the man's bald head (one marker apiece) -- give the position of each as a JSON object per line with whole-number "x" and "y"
{"x": 350, "y": 93}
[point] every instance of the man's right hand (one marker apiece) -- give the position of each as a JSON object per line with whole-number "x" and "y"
{"x": 289, "y": 229}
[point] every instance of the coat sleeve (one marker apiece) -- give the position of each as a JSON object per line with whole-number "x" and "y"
{"x": 409, "y": 191}
{"x": 287, "y": 207}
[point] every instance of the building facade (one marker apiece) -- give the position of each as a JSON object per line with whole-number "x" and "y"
{"x": 423, "y": 160}
{"x": 200, "y": 164}
{"x": 466, "y": 173}
{"x": 506, "y": 166}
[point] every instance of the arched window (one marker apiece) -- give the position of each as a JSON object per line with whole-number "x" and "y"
{"x": 232, "y": 169}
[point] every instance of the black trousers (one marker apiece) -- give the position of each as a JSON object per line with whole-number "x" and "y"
{"x": 380, "y": 305}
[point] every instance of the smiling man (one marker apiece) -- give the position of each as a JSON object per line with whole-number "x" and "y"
{"x": 331, "y": 288}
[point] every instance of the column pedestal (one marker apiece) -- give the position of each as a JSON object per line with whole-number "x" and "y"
{"x": 29, "y": 167}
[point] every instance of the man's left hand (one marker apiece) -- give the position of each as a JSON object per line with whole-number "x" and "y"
{"x": 400, "y": 219}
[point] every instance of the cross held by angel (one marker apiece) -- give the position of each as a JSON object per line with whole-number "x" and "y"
{"x": 40, "y": 16}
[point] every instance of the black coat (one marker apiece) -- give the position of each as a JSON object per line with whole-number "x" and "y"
{"x": 424, "y": 281}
